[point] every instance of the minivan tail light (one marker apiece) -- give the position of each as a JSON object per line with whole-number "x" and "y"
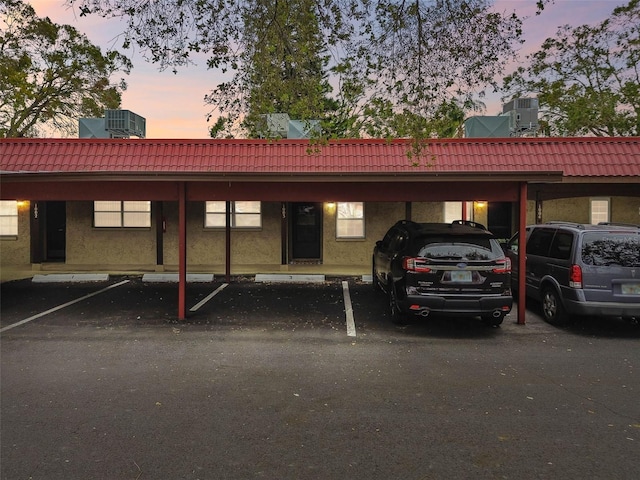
{"x": 575, "y": 276}
{"x": 414, "y": 264}
{"x": 504, "y": 265}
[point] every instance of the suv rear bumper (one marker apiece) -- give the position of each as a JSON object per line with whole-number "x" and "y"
{"x": 418, "y": 304}
{"x": 603, "y": 309}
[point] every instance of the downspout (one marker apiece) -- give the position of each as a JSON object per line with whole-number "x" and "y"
{"x": 522, "y": 253}
{"x": 182, "y": 250}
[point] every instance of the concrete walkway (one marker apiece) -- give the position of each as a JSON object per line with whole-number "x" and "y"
{"x": 20, "y": 272}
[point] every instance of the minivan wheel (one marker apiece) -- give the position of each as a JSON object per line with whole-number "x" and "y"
{"x": 397, "y": 316}
{"x": 552, "y": 307}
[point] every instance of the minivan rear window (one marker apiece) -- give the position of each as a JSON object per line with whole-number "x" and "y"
{"x": 469, "y": 248}
{"x": 619, "y": 248}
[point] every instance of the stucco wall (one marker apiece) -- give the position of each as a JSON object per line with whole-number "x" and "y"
{"x": 427, "y": 212}
{"x": 206, "y": 246}
{"x": 378, "y": 218}
{"x": 87, "y": 245}
{"x": 17, "y": 250}
{"x": 623, "y": 210}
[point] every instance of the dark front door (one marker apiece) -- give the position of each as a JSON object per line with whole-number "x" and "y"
{"x": 55, "y": 231}
{"x": 499, "y": 219}
{"x": 306, "y": 231}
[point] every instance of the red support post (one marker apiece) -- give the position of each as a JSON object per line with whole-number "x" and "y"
{"x": 522, "y": 253}
{"x": 227, "y": 241}
{"x": 182, "y": 250}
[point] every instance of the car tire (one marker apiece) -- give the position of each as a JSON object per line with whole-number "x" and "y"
{"x": 491, "y": 321}
{"x": 397, "y": 316}
{"x": 552, "y": 308}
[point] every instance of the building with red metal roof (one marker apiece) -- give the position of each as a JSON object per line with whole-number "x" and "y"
{"x": 178, "y": 186}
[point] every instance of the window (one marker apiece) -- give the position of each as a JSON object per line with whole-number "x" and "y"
{"x": 467, "y": 247}
{"x": 453, "y": 211}
{"x": 540, "y": 241}
{"x": 604, "y": 249}
{"x": 350, "y": 220}
{"x": 8, "y": 218}
{"x": 128, "y": 214}
{"x": 599, "y": 210}
{"x": 561, "y": 245}
{"x": 244, "y": 214}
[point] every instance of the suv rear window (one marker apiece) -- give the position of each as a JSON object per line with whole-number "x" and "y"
{"x": 602, "y": 249}
{"x": 470, "y": 248}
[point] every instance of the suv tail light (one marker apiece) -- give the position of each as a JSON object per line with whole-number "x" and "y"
{"x": 504, "y": 265}
{"x": 575, "y": 276}
{"x": 415, "y": 264}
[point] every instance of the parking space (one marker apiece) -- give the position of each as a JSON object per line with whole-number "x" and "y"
{"x": 128, "y": 301}
{"x": 263, "y": 380}
{"x": 343, "y": 306}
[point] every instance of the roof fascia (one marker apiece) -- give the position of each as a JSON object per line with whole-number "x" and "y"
{"x": 421, "y": 177}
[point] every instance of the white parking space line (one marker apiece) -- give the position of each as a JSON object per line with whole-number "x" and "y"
{"x": 60, "y": 307}
{"x": 348, "y": 308}
{"x": 197, "y": 306}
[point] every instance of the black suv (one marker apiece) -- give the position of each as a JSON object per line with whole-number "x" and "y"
{"x": 579, "y": 269}
{"x": 457, "y": 268}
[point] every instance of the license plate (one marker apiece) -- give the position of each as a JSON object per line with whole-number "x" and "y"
{"x": 631, "y": 288}
{"x": 460, "y": 276}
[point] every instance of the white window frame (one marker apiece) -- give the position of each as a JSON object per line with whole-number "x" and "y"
{"x": 599, "y": 210}
{"x": 8, "y": 218}
{"x": 246, "y": 215}
{"x": 350, "y": 220}
{"x": 122, "y": 212}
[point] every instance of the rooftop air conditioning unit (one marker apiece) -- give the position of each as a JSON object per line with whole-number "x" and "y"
{"x": 303, "y": 128}
{"x": 522, "y": 113}
{"x": 92, "y": 128}
{"x": 124, "y": 124}
{"x": 274, "y": 125}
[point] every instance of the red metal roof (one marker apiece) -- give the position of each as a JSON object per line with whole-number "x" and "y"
{"x": 575, "y": 157}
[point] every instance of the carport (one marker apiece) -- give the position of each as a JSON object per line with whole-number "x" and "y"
{"x": 182, "y": 171}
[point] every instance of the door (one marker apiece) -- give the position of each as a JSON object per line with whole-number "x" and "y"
{"x": 538, "y": 266}
{"x": 306, "y": 231}
{"x": 499, "y": 219}
{"x": 55, "y": 231}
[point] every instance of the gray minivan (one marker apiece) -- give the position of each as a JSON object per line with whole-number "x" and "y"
{"x": 581, "y": 269}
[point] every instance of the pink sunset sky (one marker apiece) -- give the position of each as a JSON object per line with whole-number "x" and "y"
{"x": 173, "y": 104}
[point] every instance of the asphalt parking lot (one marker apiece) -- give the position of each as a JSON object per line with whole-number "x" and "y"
{"x": 100, "y": 380}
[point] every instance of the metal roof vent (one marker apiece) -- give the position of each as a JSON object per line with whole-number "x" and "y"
{"x": 124, "y": 124}
{"x": 523, "y": 116}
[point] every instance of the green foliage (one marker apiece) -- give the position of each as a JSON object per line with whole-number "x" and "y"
{"x": 50, "y": 75}
{"x": 283, "y": 67}
{"x": 364, "y": 67}
{"x": 587, "y": 78}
